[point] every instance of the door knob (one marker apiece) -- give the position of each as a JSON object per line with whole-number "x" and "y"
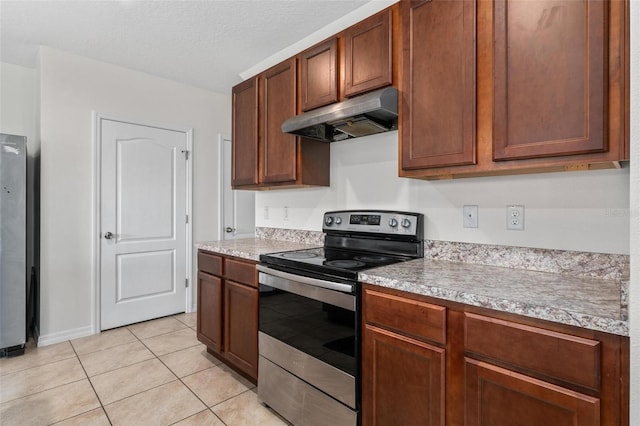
{"x": 108, "y": 235}
{"x": 228, "y": 229}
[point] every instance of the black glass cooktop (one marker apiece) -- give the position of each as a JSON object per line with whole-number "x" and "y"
{"x": 329, "y": 261}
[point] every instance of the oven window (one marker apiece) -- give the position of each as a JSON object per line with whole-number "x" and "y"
{"x": 318, "y": 329}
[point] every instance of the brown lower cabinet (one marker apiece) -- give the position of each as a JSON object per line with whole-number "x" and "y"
{"x": 403, "y": 380}
{"x": 432, "y": 362}
{"x": 500, "y": 397}
{"x": 228, "y": 311}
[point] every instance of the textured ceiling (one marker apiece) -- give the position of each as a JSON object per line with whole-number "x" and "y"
{"x": 201, "y": 43}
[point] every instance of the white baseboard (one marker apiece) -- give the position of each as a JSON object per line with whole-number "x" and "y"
{"x": 63, "y": 336}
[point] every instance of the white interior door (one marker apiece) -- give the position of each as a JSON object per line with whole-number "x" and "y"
{"x": 143, "y": 211}
{"x": 238, "y": 207}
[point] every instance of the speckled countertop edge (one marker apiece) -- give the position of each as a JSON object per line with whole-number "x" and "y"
{"x": 595, "y": 304}
{"x": 251, "y": 248}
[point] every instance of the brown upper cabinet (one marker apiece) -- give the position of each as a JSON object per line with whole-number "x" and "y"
{"x": 279, "y": 151}
{"x": 319, "y": 75}
{"x": 549, "y": 88}
{"x": 540, "y": 85}
{"x": 264, "y": 156}
{"x": 244, "y": 128}
{"x": 438, "y": 116}
{"x": 359, "y": 59}
{"x": 368, "y": 52}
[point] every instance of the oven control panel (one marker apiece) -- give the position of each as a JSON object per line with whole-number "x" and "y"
{"x": 377, "y": 222}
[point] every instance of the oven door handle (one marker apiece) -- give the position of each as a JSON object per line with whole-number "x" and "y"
{"x": 330, "y": 285}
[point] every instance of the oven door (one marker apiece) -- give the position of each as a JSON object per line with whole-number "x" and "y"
{"x": 308, "y": 337}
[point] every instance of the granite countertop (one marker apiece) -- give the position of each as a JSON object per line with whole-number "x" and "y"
{"x": 252, "y": 248}
{"x": 566, "y": 298}
{"x": 591, "y": 303}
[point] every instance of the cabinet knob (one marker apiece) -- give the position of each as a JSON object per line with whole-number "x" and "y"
{"x": 108, "y": 235}
{"x": 228, "y": 229}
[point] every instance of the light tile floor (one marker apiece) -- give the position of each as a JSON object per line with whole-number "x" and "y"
{"x": 151, "y": 373}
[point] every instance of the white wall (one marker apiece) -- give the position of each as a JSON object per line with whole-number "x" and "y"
{"x": 634, "y": 297}
{"x": 586, "y": 211}
{"x": 18, "y": 102}
{"x": 71, "y": 87}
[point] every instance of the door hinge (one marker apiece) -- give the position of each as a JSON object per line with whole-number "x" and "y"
{"x": 186, "y": 218}
{"x": 186, "y": 282}
{"x": 186, "y": 153}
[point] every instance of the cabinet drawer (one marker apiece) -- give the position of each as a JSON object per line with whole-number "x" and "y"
{"x": 242, "y": 272}
{"x": 209, "y": 263}
{"x": 406, "y": 316}
{"x": 544, "y": 353}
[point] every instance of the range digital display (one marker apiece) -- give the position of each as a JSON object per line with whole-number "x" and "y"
{"x": 364, "y": 219}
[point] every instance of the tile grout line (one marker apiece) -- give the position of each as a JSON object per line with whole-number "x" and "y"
{"x": 92, "y": 387}
{"x": 138, "y": 339}
{"x": 38, "y": 365}
{"x": 39, "y": 392}
{"x": 119, "y": 368}
{"x": 43, "y": 390}
{"x": 191, "y": 390}
{"x": 126, "y": 327}
{"x": 180, "y": 380}
{"x": 160, "y": 334}
{"x": 154, "y": 355}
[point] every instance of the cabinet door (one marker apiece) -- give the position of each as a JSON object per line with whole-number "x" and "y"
{"x": 499, "y": 397}
{"x": 319, "y": 75}
{"x": 245, "y": 133}
{"x": 210, "y": 311}
{"x": 368, "y": 49}
{"x": 241, "y": 326}
{"x": 549, "y": 87}
{"x": 279, "y": 150}
{"x": 438, "y": 108}
{"x": 402, "y": 380}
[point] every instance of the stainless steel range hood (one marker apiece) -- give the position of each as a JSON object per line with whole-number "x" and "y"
{"x": 363, "y": 115}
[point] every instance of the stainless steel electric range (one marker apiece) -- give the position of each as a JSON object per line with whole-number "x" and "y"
{"x": 309, "y": 328}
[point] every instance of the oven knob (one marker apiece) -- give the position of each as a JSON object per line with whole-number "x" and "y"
{"x": 393, "y": 222}
{"x": 328, "y": 220}
{"x": 405, "y": 223}
{"x": 338, "y": 220}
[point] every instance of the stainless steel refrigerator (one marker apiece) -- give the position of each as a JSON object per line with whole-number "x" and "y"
{"x": 13, "y": 244}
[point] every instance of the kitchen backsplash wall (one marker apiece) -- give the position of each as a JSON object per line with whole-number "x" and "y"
{"x": 581, "y": 211}
{"x": 575, "y": 263}
{"x": 293, "y": 235}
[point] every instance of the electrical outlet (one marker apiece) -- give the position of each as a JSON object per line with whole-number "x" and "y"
{"x": 515, "y": 218}
{"x": 470, "y": 216}
{"x": 285, "y": 213}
